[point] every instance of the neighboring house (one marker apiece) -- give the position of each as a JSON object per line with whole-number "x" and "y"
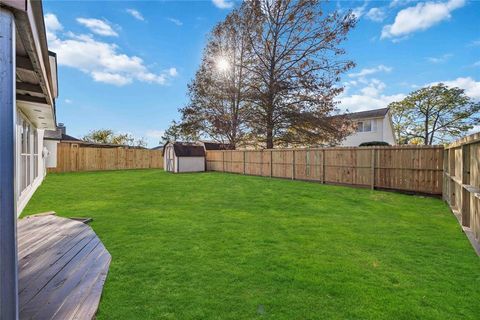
{"x": 183, "y": 157}
{"x": 51, "y": 139}
{"x": 371, "y": 125}
{"x": 28, "y": 89}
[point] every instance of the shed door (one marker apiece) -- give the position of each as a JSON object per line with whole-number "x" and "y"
{"x": 170, "y": 158}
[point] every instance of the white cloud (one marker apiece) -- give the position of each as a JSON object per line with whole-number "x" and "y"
{"x": 112, "y": 78}
{"x": 175, "y": 21}
{"x": 136, "y": 14}
{"x": 358, "y": 12}
{"x": 223, "y": 4}
{"x": 369, "y": 71}
{"x": 471, "y": 87}
{"x": 376, "y": 14}
{"x": 440, "y": 59}
{"x": 52, "y": 25}
{"x": 420, "y": 17}
{"x": 477, "y": 64}
{"x": 398, "y": 3}
{"x": 474, "y": 43}
{"x": 68, "y": 101}
{"x": 98, "y": 26}
{"x": 369, "y": 97}
{"x": 102, "y": 61}
{"x": 173, "y": 72}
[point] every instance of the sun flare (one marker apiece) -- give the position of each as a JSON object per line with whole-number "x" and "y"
{"x": 222, "y": 64}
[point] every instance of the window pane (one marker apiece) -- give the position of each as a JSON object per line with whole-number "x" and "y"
{"x": 359, "y": 126}
{"x": 35, "y": 141}
{"x": 367, "y": 126}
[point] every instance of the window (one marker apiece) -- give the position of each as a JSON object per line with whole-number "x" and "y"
{"x": 28, "y": 154}
{"x": 367, "y": 126}
{"x": 25, "y": 155}
{"x": 35, "y": 154}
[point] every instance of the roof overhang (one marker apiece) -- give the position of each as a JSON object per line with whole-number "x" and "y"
{"x": 36, "y": 67}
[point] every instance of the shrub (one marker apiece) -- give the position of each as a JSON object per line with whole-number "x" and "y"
{"x": 374, "y": 143}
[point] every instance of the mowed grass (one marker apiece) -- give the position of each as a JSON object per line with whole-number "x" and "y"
{"x": 225, "y": 246}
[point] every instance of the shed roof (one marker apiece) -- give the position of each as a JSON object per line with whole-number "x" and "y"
{"x": 376, "y": 113}
{"x": 183, "y": 149}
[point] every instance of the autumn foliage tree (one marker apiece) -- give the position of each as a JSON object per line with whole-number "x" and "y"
{"x": 298, "y": 62}
{"x": 269, "y": 75}
{"x": 434, "y": 114}
{"x": 219, "y": 94}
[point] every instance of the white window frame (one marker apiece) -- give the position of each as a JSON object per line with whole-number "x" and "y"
{"x": 362, "y": 123}
{"x": 29, "y": 153}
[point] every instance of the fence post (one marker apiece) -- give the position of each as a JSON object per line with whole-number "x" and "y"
{"x": 323, "y": 165}
{"x": 446, "y": 179}
{"x": 244, "y": 159}
{"x": 372, "y": 183}
{"x": 293, "y": 164}
{"x": 261, "y": 162}
{"x": 271, "y": 163}
{"x": 465, "y": 207}
{"x": 223, "y": 160}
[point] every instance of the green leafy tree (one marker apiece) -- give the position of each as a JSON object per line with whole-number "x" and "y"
{"x": 108, "y": 136}
{"x": 434, "y": 114}
{"x": 176, "y": 132}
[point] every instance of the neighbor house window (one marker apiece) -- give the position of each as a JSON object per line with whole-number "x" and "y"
{"x": 366, "y": 126}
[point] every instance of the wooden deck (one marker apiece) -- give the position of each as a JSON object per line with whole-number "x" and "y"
{"x": 62, "y": 268}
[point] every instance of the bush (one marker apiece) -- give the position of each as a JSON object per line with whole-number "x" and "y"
{"x": 374, "y": 143}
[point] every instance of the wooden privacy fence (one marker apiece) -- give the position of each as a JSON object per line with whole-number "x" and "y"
{"x": 410, "y": 168}
{"x": 71, "y": 157}
{"x": 461, "y": 186}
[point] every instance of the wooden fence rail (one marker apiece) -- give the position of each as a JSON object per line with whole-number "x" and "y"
{"x": 411, "y": 168}
{"x": 71, "y": 157}
{"x": 461, "y": 186}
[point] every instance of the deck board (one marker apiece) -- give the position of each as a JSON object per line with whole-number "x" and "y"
{"x": 62, "y": 268}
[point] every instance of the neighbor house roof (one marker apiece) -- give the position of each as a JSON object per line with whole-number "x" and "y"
{"x": 376, "y": 113}
{"x": 183, "y": 149}
{"x": 217, "y": 146}
{"x": 58, "y": 135}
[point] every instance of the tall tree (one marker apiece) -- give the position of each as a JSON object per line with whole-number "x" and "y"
{"x": 298, "y": 62}
{"x": 219, "y": 106}
{"x": 108, "y": 136}
{"x": 176, "y": 132}
{"x": 434, "y": 114}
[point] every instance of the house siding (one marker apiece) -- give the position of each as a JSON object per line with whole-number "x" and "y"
{"x": 383, "y": 132}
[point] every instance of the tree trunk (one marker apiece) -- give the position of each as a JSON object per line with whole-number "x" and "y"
{"x": 269, "y": 137}
{"x": 425, "y": 142}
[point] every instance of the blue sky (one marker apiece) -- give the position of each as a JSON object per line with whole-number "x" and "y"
{"x": 126, "y": 65}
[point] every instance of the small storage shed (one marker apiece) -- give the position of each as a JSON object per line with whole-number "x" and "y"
{"x": 183, "y": 157}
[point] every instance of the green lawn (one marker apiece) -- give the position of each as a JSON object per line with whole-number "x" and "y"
{"x": 224, "y": 246}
